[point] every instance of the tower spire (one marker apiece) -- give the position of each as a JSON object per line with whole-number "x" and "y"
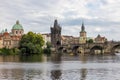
{"x": 55, "y": 23}
{"x": 83, "y": 27}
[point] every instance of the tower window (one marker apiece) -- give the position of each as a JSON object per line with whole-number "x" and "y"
{"x": 16, "y": 32}
{"x": 20, "y": 32}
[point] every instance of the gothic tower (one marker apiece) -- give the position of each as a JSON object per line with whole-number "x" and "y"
{"x": 56, "y": 35}
{"x": 82, "y": 34}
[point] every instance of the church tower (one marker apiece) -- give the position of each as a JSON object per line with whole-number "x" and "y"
{"x": 83, "y": 36}
{"x": 56, "y": 35}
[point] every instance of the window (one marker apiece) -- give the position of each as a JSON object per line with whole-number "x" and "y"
{"x": 20, "y": 32}
{"x": 16, "y": 32}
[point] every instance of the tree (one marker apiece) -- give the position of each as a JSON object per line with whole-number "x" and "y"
{"x": 90, "y": 41}
{"x": 48, "y": 45}
{"x": 31, "y": 43}
{"x": 47, "y": 50}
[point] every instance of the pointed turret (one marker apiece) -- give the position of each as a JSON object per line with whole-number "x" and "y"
{"x": 5, "y": 30}
{"x": 83, "y": 27}
{"x": 55, "y": 23}
{"x": 98, "y": 36}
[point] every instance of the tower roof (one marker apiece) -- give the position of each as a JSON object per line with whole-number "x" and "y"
{"x": 82, "y": 27}
{"x": 55, "y": 23}
{"x": 17, "y": 26}
{"x": 98, "y": 36}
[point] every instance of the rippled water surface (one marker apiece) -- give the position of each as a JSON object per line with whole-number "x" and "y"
{"x": 60, "y": 68}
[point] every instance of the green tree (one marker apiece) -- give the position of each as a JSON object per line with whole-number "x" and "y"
{"x": 90, "y": 41}
{"x": 47, "y": 50}
{"x": 31, "y": 43}
{"x": 48, "y": 45}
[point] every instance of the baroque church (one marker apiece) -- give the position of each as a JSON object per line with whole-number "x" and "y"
{"x": 11, "y": 39}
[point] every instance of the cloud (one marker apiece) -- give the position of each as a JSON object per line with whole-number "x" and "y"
{"x": 99, "y": 16}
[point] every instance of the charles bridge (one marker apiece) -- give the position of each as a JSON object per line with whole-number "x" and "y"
{"x": 91, "y": 48}
{"x": 106, "y": 47}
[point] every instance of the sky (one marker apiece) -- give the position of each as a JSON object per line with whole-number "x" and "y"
{"x": 99, "y": 16}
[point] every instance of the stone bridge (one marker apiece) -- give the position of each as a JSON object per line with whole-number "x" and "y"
{"x": 91, "y": 48}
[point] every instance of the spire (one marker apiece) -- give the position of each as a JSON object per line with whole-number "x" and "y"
{"x": 55, "y": 23}
{"x": 82, "y": 27}
{"x": 98, "y": 36}
{"x": 5, "y": 30}
{"x": 17, "y": 22}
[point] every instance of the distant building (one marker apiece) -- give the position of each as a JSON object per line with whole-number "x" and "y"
{"x": 69, "y": 40}
{"x": 47, "y": 38}
{"x": 11, "y": 39}
{"x": 90, "y": 40}
{"x": 56, "y": 35}
{"x": 83, "y": 36}
{"x": 100, "y": 39}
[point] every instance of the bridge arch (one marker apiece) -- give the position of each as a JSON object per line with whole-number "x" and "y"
{"x": 75, "y": 50}
{"x": 62, "y": 49}
{"x": 78, "y": 50}
{"x": 96, "y": 50}
{"x": 115, "y": 49}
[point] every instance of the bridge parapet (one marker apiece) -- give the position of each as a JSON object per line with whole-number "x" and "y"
{"x": 107, "y": 47}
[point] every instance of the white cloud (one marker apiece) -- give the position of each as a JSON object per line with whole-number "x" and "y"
{"x": 98, "y": 29}
{"x": 100, "y": 16}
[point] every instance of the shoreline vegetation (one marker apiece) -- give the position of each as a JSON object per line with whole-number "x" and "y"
{"x": 30, "y": 44}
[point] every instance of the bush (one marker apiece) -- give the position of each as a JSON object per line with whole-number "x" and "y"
{"x": 6, "y": 51}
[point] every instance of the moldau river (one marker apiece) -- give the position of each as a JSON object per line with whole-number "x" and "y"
{"x": 57, "y": 67}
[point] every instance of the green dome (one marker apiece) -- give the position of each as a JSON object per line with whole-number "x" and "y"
{"x": 17, "y": 26}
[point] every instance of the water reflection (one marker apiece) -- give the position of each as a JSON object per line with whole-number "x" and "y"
{"x": 57, "y": 67}
{"x": 83, "y": 70}
{"x": 33, "y": 58}
{"x": 83, "y": 73}
{"x": 12, "y": 74}
{"x": 9, "y": 59}
{"x": 56, "y": 74}
{"x": 17, "y": 58}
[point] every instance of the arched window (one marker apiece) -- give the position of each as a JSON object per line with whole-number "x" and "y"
{"x": 20, "y": 32}
{"x": 16, "y": 32}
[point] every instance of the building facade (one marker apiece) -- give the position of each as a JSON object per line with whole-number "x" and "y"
{"x": 11, "y": 39}
{"x": 66, "y": 40}
{"x": 100, "y": 39}
{"x": 47, "y": 38}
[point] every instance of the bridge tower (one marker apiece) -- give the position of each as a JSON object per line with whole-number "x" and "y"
{"x": 56, "y": 35}
{"x": 83, "y": 37}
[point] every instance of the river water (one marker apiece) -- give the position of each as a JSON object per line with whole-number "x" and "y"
{"x": 57, "y": 67}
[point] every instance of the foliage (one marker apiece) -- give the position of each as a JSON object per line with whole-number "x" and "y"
{"x": 47, "y": 50}
{"x": 6, "y": 51}
{"x": 90, "y": 41}
{"x": 48, "y": 45}
{"x": 31, "y": 43}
